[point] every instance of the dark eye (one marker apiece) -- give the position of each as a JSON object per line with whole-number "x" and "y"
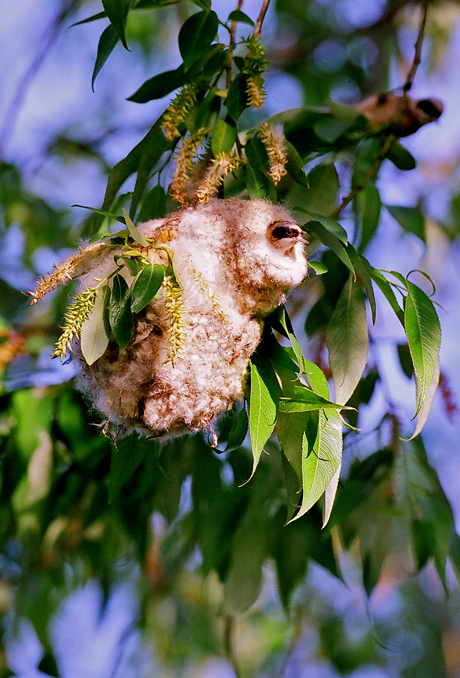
{"x": 285, "y": 229}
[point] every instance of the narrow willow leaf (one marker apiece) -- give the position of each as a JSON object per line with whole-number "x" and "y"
{"x": 133, "y": 231}
{"x": 318, "y": 267}
{"x": 116, "y": 11}
{"x": 159, "y": 86}
{"x": 223, "y": 137}
{"x": 154, "y": 205}
{"x": 326, "y": 237}
{"x": 329, "y": 495}
{"x": 364, "y": 271}
{"x": 295, "y": 165}
{"x": 107, "y": 43}
{"x": 257, "y": 184}
{"x": 282, "y": 323}
{"x": 249, "y": 551}
{"x": 400, "y": 157}
{"x": 94, "y": 338}
{"x": 237, "y": 99}
{"x": 347, "y": 340}
{"x": 423, "y": 332}
{"x": 120, "y": 316}
{"x": 388, "y": 293}
{"x": 154, "y": 144}
{"x": 410, "y": 219}
{"x": 146, "y": 286}
{"x": 241, "y": 17}
{"x": 238, "y": 432}
{"x": 321, "y": 195}
{"x": 321, "y": 459}
{"x": 103, "y": 213}
{"x": 126, "y": 457}
{"x": 196, "y": 35}
{"x": 316, "y": 379}
{"x": 290, "y": 430}
{"x": 369, "y": 204}
{"x": 263, "y": 406}
{"x": 329, "y": 224}
{"x": 424, "y": 411}
{"x": 257, "y": 155}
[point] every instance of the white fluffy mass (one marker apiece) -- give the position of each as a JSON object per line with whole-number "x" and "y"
{"x": 235, "y": 260}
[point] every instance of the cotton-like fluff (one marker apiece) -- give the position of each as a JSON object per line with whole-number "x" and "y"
{"x": 235, "y": 260}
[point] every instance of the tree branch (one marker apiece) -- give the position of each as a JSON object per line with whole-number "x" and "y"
{"x": 260, "y": 19}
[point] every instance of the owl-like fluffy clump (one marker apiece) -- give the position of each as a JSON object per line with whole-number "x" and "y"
{"x": 235, "y": 260}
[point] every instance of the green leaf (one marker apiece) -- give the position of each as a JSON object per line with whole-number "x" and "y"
{"x": 106, "y": 45}
{"x": 410, "y": 219}
{"x": 347, "y": 340}
{"x": 295, "y": 165}
{"x": 223, "y": 137}
{"x": 318, "y": 267}
{"x": 257, "y": 183}
{"x": 305, "y": 400}
{"x": 330, "y": 494}
{"x": 388, "y": 292}
{"x": 238, "y": 431}
{"x": 321, "y": 195}
{"x": 133, "y": 231}
{"x": 257, "y": 155}
{"x": 330, "y": 129}
{"x": 263, "y": 405}
{"x": 159, "y": 86}
{"x": 400, "y": 157}
{"x": 368, "y": 202}
{"x": 282, "y": 323}
{"x": 364, "y": 271}
{"x": 237, "y": 99}
{"x": 120, "y": 316}
{"x": 240, "y": 17}
{"x": 117, "y": 11}
{"x": 146, "y": 286}
{"x": 290, "y": 431}
{"x": 423, "y": 331}
{"x": 249, "y": 551}
{"x": 321, "y": 459}
{"x": 196, "y": 35}
{"x": 127, "y": 455}
{"x": 154, "y": 205}
{"x": 425, "y": 409}
{"x": 329, "y": 224}
{"x": 152, "y": 146}
{"x": 94, "y": 337}
{"x": 320, "y": 232}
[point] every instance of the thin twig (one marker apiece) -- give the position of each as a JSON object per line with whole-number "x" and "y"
{"x": 391, "y": 137}
{"x": 232, "y": 46}
{"x": 260, "y": 19}
{"x": 418, "y": 47}
{"x": 379, "y": 158}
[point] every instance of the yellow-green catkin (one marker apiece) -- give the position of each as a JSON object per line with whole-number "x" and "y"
{"x": 177, "y": 111}
{"x": 175, "y": 310}
{"x": 185, "y": 156}
{"x": 63, "y": 273}
{"x": 273, "y": 140}
{"x": 74, "y": 318}
{"x": 254, "y": 67}
{"x": 221, "y": 165}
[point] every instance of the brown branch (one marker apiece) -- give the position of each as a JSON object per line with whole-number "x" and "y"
{"x": 231, "y": 46}
{"x": 418, "y": 47}
{"x": 379, "y": 158}
{"x": 260, "y": 19}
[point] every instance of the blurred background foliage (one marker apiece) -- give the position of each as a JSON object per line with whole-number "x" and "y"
{"x": 158, "y": 551}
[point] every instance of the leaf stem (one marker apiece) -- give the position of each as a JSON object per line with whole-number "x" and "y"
{"x": 232, "y": 46}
